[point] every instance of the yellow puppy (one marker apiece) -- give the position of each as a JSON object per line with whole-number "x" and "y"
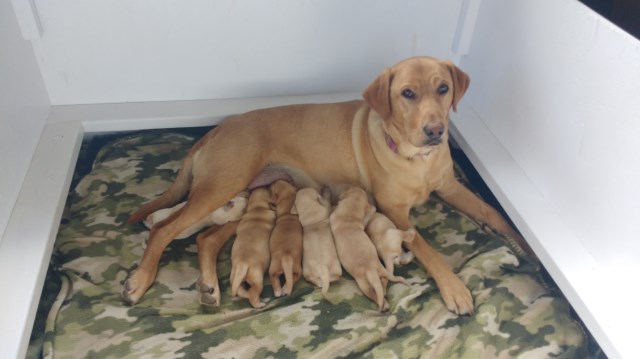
{"x": 356, "y": 251}
{"x": 388, "y": 240}
{"x": 320, "y": 263}
{"x": 250, "y": 252}
{"x": 286, "y": 240}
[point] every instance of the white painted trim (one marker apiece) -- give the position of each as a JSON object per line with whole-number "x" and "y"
{"x": 466, "y": 26}
{"x": 28, "y": 18}
{"x": 25, "y": 249}
{"x": 167, "y": 114}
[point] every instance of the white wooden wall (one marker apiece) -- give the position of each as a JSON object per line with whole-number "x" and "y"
{"x": 157, "y": 50}
{"x": 559, "y": 88}
{"x": 24, "y": 107}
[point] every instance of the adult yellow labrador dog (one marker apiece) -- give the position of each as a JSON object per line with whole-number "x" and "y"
{"x": 393, "y": 144}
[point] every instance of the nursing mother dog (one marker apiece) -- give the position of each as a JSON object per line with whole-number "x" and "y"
{"x": 393, "y": 144}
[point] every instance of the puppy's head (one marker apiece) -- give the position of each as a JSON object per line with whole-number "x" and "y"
{"x": 413, "y": 98}
{"x": 311, "y": 206}
{"x": 358, "y": 201}
{"x": 259, "y": 198}
{"x": 282, "y": 189}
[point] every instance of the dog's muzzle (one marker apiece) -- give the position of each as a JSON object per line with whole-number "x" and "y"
{"x": 434, "y": 132}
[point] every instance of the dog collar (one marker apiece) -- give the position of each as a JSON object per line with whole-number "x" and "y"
{"x": 390, "y": 143}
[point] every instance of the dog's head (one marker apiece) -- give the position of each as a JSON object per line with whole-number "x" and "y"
{"x": 413, "y": 98}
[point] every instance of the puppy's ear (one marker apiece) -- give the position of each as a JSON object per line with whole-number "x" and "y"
{"x": 229, "y": 205}
{"x": 294, "y": 209}
{"x": 370, "y": 211}
{"x": 377, "y": 94}
{"x": 323, "y": 201}
{"x": 326, "y": 194}
{"x": 460, "y": 83}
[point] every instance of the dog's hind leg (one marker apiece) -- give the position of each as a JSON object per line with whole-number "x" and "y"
{"x": 238, "y": 274}
{"x": 159, "y": 238}
{"x": 371, "y": 286}
{"x": 209, "y": 245}
{"x": 275, "y": 270}
{"x": 255, "y": 280}
{"x": 291, "y": 273}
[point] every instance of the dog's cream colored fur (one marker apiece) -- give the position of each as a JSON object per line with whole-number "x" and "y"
{"x": 320, "y": 263}
{"x": 356, "y": 251}
{"x": 388, "y": 241}
{"x": 250, "y": 254}
{"x": 286, "y": 240}
{"x": 393, "y": 144}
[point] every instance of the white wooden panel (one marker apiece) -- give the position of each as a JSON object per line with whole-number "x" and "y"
{"x": 558, "y": 86}
{"x": 24, "y": 106}
{"x": 25, "y": 249}
{"x": 156, "y": 50}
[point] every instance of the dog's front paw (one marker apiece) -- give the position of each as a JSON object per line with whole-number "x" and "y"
{"x": 135, "y": 287}
{"x": 457, "y": 297}
{"x": 209, "y": 294}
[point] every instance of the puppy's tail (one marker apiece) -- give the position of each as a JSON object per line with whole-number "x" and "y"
{"x": 238, "y": 274}
{"x": 176, "y": 192}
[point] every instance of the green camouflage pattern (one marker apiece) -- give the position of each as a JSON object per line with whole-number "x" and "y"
{"x": 517, "y": 313}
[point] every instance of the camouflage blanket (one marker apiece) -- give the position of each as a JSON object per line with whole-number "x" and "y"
{"x": 517, "y": 313}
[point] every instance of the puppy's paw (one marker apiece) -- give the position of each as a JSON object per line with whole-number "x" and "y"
{"x": 456, "y": 296}
{"x": 405, "y": 258}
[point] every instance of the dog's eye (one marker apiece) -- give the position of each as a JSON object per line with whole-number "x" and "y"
{"x": 408, "y": 93}
{"x": 443, "y": 89}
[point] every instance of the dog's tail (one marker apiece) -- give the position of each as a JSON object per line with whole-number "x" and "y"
{"x": 238, "y": 274}
{"x": 176, "y": 192}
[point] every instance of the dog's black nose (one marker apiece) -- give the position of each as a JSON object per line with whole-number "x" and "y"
{"x": 434, "y": 130}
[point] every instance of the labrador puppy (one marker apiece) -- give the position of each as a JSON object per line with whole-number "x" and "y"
{"x": 320, "y": 263}
{"x": 394, "y": 144}
{"x": 230, "y": 212}
{"x": 250, "y": 251}
{"x": 355, "y": 249}
{"x": 286, "y": 240}
{"x": 388, "y": 241}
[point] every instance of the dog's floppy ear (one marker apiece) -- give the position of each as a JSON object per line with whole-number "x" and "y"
{"x": 377, "y": 94}
{"x": 460, "y": 83}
